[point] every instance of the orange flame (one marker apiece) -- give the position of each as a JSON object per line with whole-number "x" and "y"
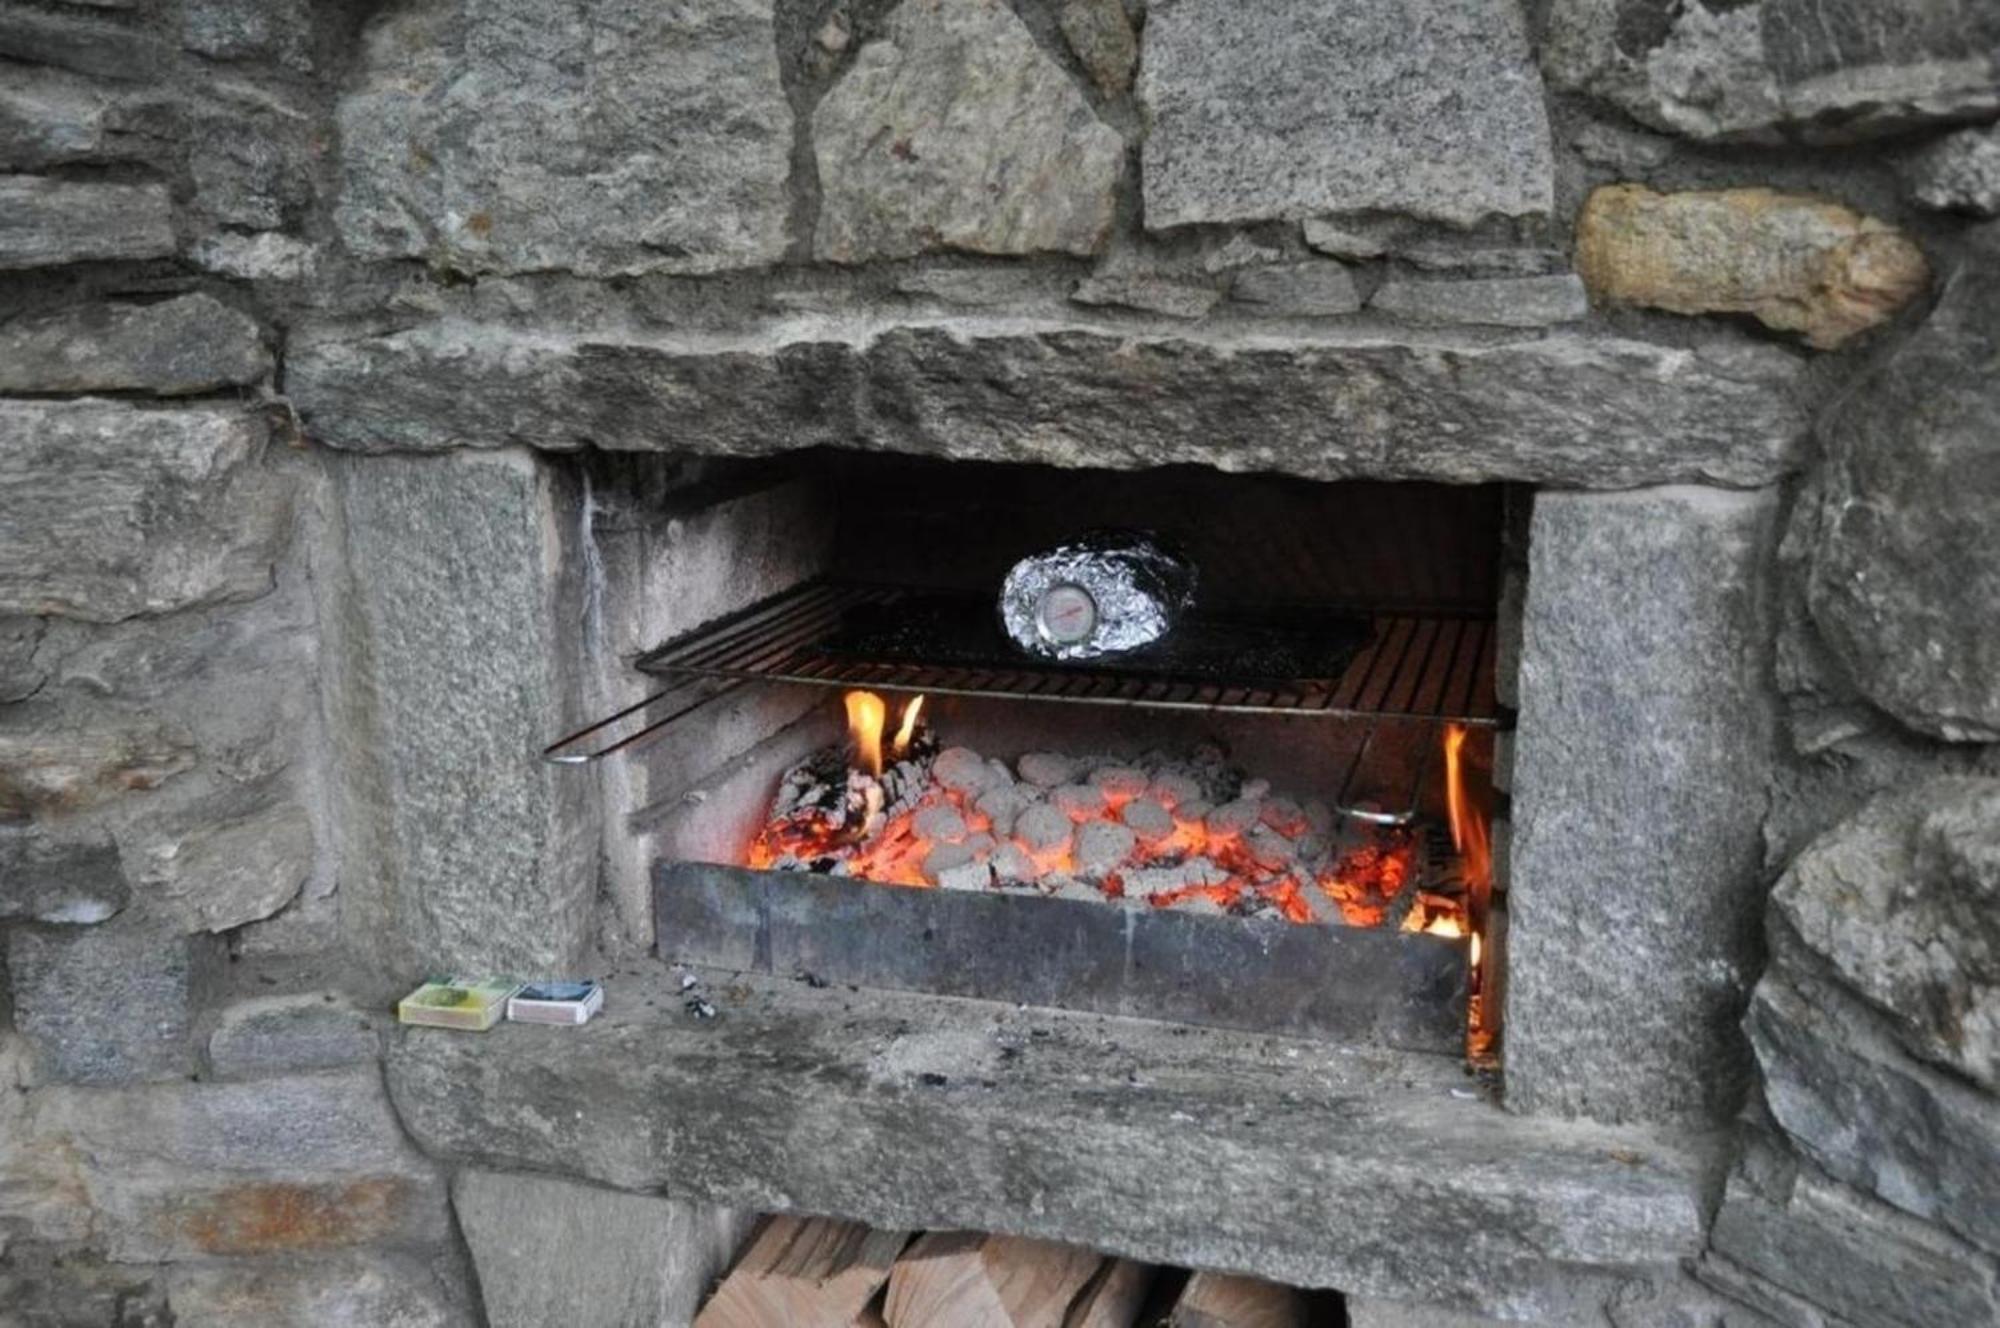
{"x": 866, "y": 713}
{"x": 1468, "y": 825}
{"x": 908, "y": 728}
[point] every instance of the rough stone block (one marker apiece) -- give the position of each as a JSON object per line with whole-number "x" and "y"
{"x": 228, "y": 693}
{"x": 1640, "y": 777}
{"x": 20, "y": 676}
{"x": 192, "y": 343}
{"x": 1100, "y": 33}
{"x": 252, "y": 159}
{"x": 1835, "y": 1247}
{"x": 1562, "y": 409}
{"x": 607, "y": 137}
{"x": 910, "y": 1112}
{"x": 45, "y": 222}
{"x": 1792, "y": 261}
{"x": 1769, "y": 71}
{"x": 85, "y": 45}
{"x": 1147, "y": 294}
{"x": 358, "y": 1290}
{"x": 55, "y": 765}
{"x": 108, "y": 510}
{"x": 1311, "y": 289}
{"x": 285, "y": 1034}
{"x": 1904, "y": 569}
{"x": 46, "y": 879}
{"x": 551, "y": 1250}
{"x": 48, "y": 116}
{"x": 229, "y": 867}
{"x": 1860, "y": 1107}
{"x": 104, "y": 1004}
{"x": 279, "y": 30}
{"x": 1756, "y": 1302}
{"x": 461, "y": 849}
{"x": 1958, "y": 173}
{"x": 1496, "y": 301}
{"x": 1902, "y": 901}
{"x": 50, "y": 1288}
{"x": 290, "y": 1167}
{"x": 1289, "y": 111}
{"x": 955, "y": 130}
{"x": 266, "y": 257}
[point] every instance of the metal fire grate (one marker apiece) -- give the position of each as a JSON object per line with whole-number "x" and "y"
{"x": 1411, "y": 667}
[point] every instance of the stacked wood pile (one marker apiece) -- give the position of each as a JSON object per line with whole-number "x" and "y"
{"x": 798, "y": 1272}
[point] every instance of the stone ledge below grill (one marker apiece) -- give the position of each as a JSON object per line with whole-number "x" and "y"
{"x": 1378, "y": 1173}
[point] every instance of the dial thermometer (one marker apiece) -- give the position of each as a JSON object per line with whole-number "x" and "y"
{"x": 1066, "y": 614}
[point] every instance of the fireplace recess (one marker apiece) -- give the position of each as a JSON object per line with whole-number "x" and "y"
{"x": 1343, "y": 629}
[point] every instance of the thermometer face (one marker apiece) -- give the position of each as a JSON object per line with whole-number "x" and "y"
{"x": 1066, "y": 614}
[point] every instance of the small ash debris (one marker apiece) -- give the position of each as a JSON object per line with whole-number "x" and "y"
{"x": 810, "y": 978}
{"x": 699, "y": 1006}
{"x": 932, "y": 1079}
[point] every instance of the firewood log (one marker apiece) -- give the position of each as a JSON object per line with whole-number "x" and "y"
{"x": 803, "y": 1272}
{"x": 1224, "y": 1300}
{"x": 1114, "y": 1297}
{"x": 967, "y": 1280}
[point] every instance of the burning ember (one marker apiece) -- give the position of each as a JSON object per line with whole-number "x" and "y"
{"x": 1189, "y": 832}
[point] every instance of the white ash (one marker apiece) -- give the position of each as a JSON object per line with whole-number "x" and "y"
{"x": 1198, "y": 810}
{"x": 1103, "y": 847}
{"x": 1004, "y": 805}
{"x": 1269, "y": 849}
{"x": 944, "y": 858}
{"x": 1059, "y": 885}
{"x": 1080, "y": 802}
{"x": 940, "y": 822}
{"x": 1143, "y": 881}
{"x": 1048, "y": 769}
{"x": 904, "y": 783}
{"x": 1148, "y": 820}
{"x": 1233, "y": 818}
{"x": 1121, "y": 781}
{"x": 961, "y": 770}
{"x": 1012, "y": 865}
{"x": 1042, "y": 828}
{"x": 1284, "y": 816}
{"x": 966, "y": 876}
{"x": 1319, "y": 817}
{"x": 1173, "y": 788}
{"x": 1254, "y": 789}
{"x": 981, "y": 843}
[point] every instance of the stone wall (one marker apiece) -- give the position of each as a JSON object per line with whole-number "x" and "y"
{"x": 268, "y": 700}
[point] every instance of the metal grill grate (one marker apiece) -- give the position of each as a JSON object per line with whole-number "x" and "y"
{"x": 1413, "y": 667}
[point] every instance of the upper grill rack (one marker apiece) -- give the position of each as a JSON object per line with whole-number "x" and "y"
{"x": 1433, "y": 668}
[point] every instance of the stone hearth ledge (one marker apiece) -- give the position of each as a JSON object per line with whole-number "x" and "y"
{"x": 1376, "y": 1173}
{"x": 1573, "y": 409}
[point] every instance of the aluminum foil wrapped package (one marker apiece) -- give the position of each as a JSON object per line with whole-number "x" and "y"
{"x": 1104, "y": 593}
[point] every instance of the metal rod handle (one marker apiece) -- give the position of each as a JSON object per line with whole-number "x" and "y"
{"x": 559, "y": 753}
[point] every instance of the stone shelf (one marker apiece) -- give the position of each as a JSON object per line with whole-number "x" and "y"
{"x": 1379, "y": 1173}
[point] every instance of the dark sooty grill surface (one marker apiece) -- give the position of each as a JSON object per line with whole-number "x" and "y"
{"x": 964, "y": 631}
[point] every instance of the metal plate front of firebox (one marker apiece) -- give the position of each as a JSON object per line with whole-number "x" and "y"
{"x": 1339, "y": 984}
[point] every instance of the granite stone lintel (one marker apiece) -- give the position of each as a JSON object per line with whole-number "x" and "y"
{"x": 1568, "y": 408}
